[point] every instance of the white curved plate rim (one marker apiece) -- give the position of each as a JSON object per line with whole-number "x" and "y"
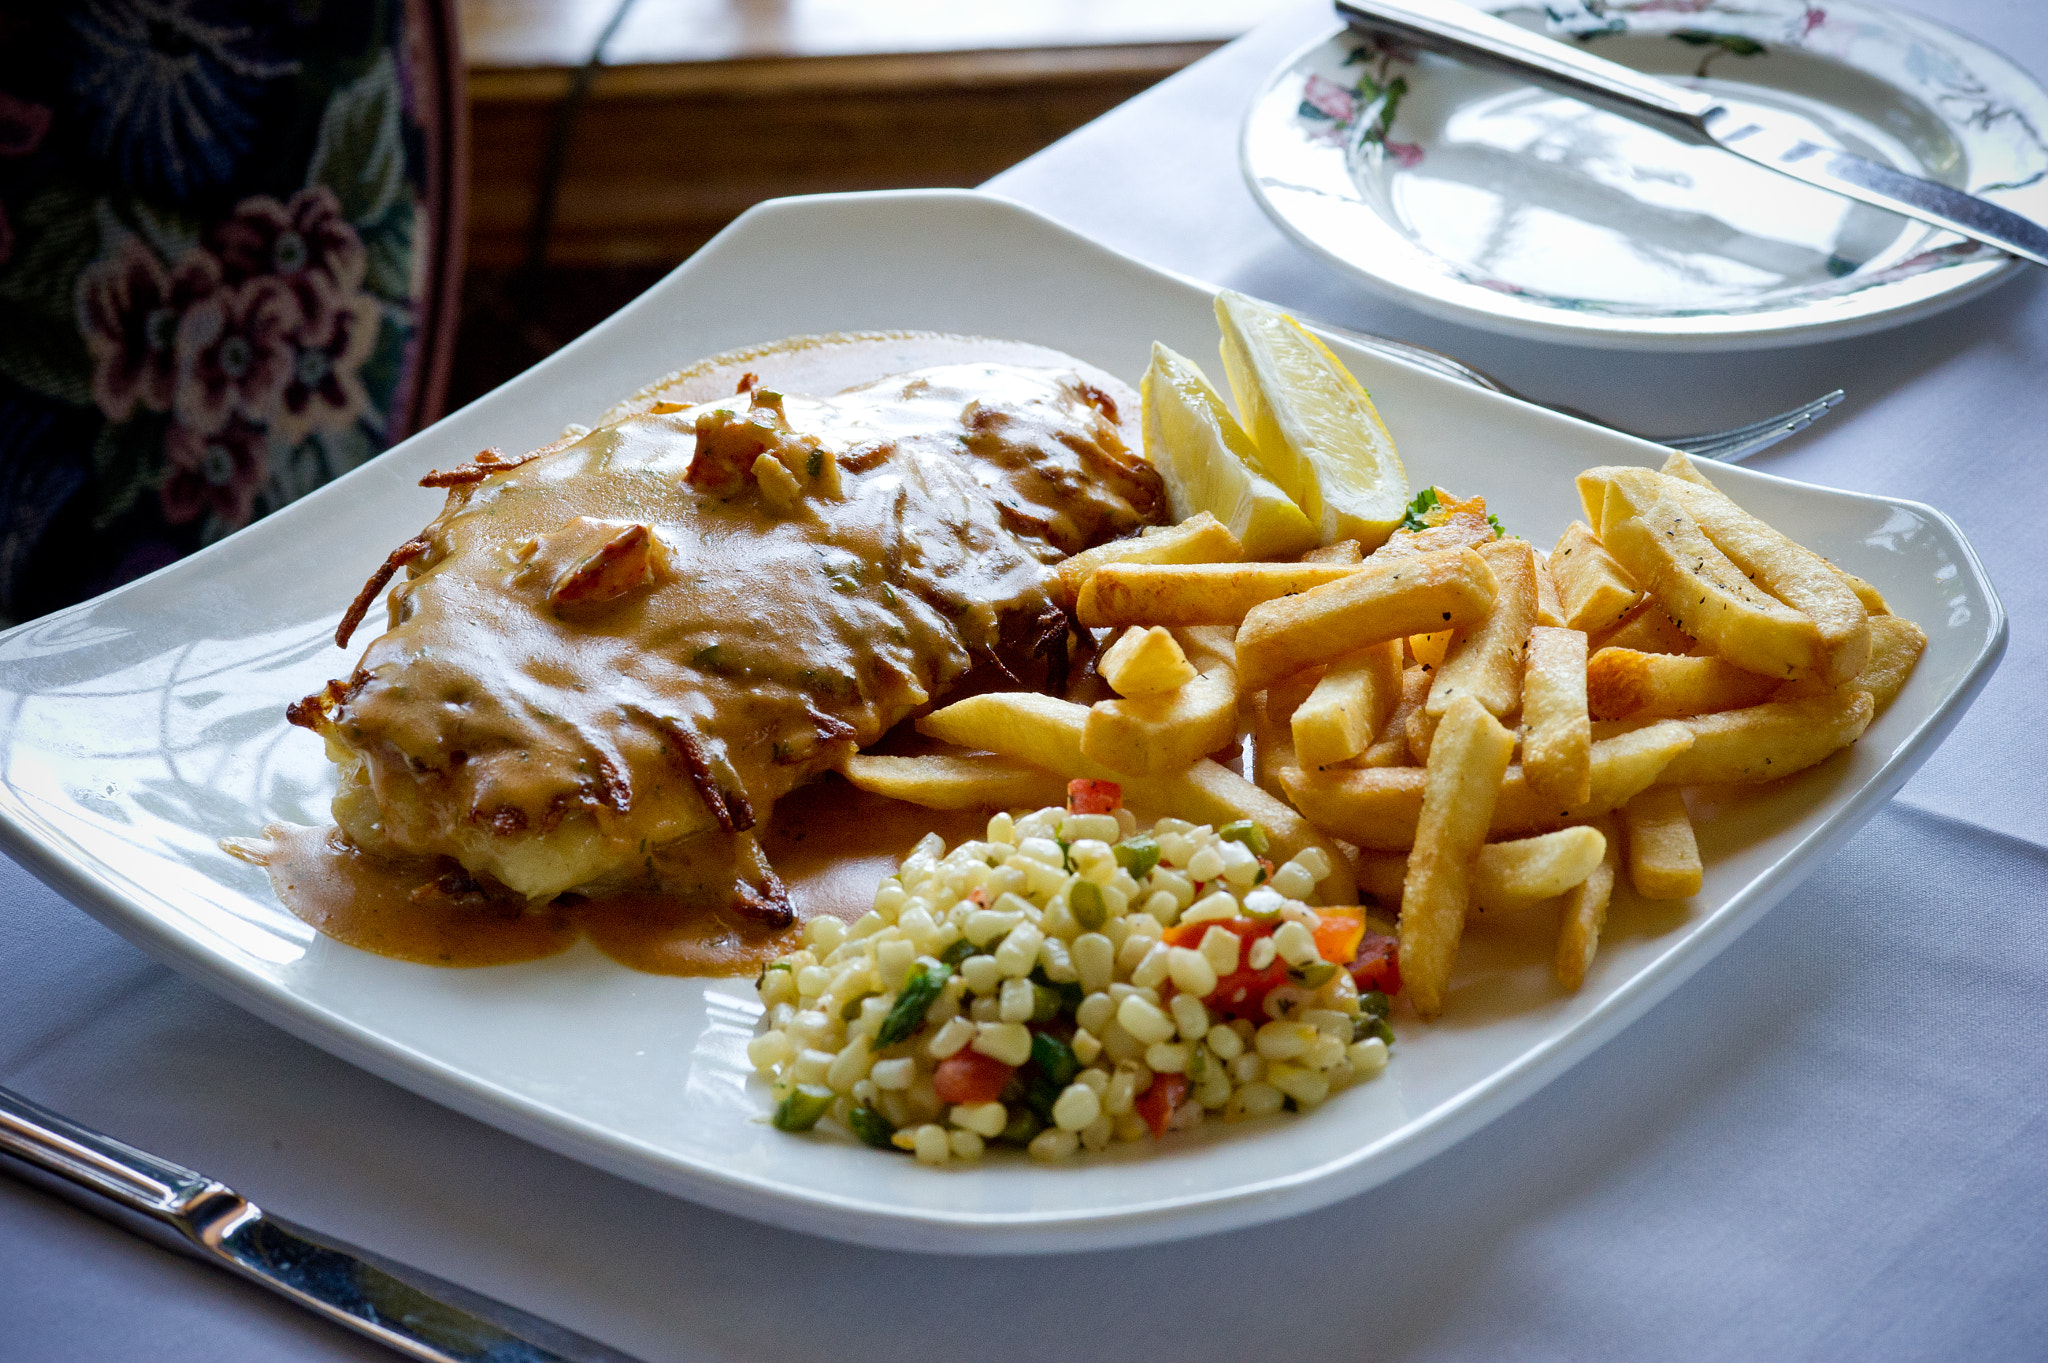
{"x": 1090, "y": 301}
{"x": 1877, "y": 308}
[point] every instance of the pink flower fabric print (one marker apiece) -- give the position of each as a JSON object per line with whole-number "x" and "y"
{"x": 220, "y": 472}
{"x": 235, "y": 354}
{"x": 301, "y": 243}
{"x": 324, "y": 391}
{"x": 23, "y": 126}
{"x": 129, "y": 312}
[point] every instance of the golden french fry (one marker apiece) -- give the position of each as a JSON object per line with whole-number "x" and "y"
{"x": 1468, "y": 757}
{"x": 942, "y": 782}
{"x": 1557, "y": 736}
{"x": 1681, "y": 466}
{"x": 1662, "y": 547}
{"x": 1152, "y": 735}
{"x": 1765, "y": 742}
{"x": 1585, "y": 913}
{"x": 1373, "y": 603}
{"x": 1781, "y": 566}
{"x": 1377, "y": 807}
{"x": 1194, "y": 593}
{"x": 1343, "y": 551}
{"x": 1390, "y": 749}
{"x": 1429, "y": 649}
{"x": 1508, "y": 877}
{"x": 1348, "y": 706}
{"x": 1485, "y": 659}
{"x": 1624, "y": 684}
{"x": 1593, "y": 591}
{"x": 1201, "y": 538}
{"x": 1207, "y": 645}
{"x": 1046, "y": 732}
{"x": 1895, "y": 646}
{"x": 1663, "y": 855}
{"x": 1646, "y": 629}
{"x": 1549, "y": 609}
{"x": 1420, "y": 726}
{"x": 1272, "y": 739}
{"x": 1145, "y": 662}
{"x": 1381, "y": 875}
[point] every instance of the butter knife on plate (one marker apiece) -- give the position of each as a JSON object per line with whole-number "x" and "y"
{"x": 1694, "y": 116}
{"x": 414, "y": 1313}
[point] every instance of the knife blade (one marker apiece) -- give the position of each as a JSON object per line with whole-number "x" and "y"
{"x": 1693, "y": 116}
{"x": 401, "y": 1307}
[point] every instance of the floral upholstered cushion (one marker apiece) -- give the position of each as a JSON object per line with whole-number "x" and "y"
{"x": 227, "y": 237}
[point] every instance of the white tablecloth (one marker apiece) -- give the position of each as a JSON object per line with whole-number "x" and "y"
{"x": 1831, "y": 1143}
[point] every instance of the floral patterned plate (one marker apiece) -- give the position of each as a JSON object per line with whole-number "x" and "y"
{"x": 1485, "y": 200}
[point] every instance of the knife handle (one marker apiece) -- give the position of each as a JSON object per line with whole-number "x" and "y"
{"x": 1480, "y": 39}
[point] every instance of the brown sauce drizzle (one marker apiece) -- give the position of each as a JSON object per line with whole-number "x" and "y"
{"x": 830, "y": 843}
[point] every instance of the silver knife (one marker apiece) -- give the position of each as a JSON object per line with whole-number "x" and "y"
{"x": 415, "y": 1313}
{"x": 1694, "y": 116}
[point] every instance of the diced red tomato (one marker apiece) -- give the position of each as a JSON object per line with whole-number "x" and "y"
{"x": 1094, "y": 797}
{"x": 1338, "y": 934}
{"x": 968, "y": 1076}
{"x": 1377, "y": 964}
{"x": 1157, "y": 1103}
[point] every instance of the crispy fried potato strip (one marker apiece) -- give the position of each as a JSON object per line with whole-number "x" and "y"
{"x": 1467, "y": 759}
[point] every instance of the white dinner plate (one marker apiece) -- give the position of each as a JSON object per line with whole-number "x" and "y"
{"x": 1480, "y": 198}
{"x": 139, "y": 729}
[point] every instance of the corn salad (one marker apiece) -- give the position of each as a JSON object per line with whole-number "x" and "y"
{"x": 1069, "y": 981}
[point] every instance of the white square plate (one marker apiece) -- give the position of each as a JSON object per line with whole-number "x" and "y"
{"x": 139, "y": 729}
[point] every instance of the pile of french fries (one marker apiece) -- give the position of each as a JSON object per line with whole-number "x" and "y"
{"x": 1470, "y": 725}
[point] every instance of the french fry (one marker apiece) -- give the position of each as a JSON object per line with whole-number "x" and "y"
{"x": 1485, "y": 659}
{"x": 1390, "y": 749}
{"x": 1343, "y": 551}
{"x": 1593, "y": 591}
{"x": 1646, "y": 629}
{"x": 1895, "y": 646}
{"x": 1663, "y": 855}
{"x": 1152, "y": 735}
{"x": 1381, "y": 875}
{"x": 1373, "y": 603}
{"x": 944, "y": 782}
{"x": 1267, "y": 714}
{"x": 1780, "y": 565}
{"x": 1765, "y": 742}
{"x": 1680, "y": 465}
{"x": 1419, "y": 728}
{"x": 1194, "y": 593}
{"x": 1349, "y": 705}
{"x": 1377, "y": 807}
{"x": 1207, "y": 645}
{"x": 1046, "y": 732}
{"x": 1549, "y": 610}
{"x": 1624, "y": 684}
{"x": 1585, "y": 913}
{"x": 1662, "y": 547}
{"x": 1145, "y": 662}
{"x": 1557, "y": 736}
{"x": 1429, "y": 649}
{"x": 1468, "y": 757}
{"x": 1201, "y": 538}
{"x": 1509, "y": 877}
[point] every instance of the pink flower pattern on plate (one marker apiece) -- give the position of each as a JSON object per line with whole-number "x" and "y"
{"x": 22, "y": 128}
{"x": 235, "y": 354}
{"x": 129, "y": 309}
{"x": 219, "y": 472}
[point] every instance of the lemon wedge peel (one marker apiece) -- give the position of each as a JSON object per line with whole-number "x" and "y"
{"x": 1319, "y": 434}
{"x": 1209, "y": 463}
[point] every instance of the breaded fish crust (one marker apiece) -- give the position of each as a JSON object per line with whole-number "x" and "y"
{"x": 653, "y": 632}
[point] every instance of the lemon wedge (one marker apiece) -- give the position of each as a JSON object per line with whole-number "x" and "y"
{"x": 1209, "y": 464}
{"x": 1317, "y": 431}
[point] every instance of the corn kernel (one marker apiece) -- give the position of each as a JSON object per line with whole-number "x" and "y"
{"x": 1190, "y": 1017}
{"x": 1019, "y": 951}
{"x": 1224, "y": 1044}
{"x": 1368, "y": 1057}
{"x": 1296, "y": 944}
{"x": 1152, "y": 971}
{"x": 1009, "y": 1042}
{"x": 1144, "y": 1021}
{"x": 1207, "y": 864}
{"x": 1167, "y": 1057}
{"x": 893, "y": 1076}
{"x": 810, "y": 1066}
{"x": 850, "y": 1066}
{"x": 930, "y": 1144}
{"x": 1096, "y": 1012}
{"x": 1053, "y": 1144}
{"x": 1191, "y": 972}
{"x": 1293, "y": 880}
{"x": 825, "y": 932}
{"x": 1098, "y": 1133}
{"x": 1015, "y": 1002}
{"x": 1086, "y": 1047}
{"x": 1258, "y": 1100}
{"x": 1262, "y": 953}
{"x": 1002, "y": 828}
{"x": 1076, "y": 1108}
{"x": 950, "y": 1038}
{"x": 768, "y": 1050}
{"x": 1131, "y": 1127}
{"x": 1304, "y": 1086}
{"x": 986, "y": 1119}
{"x": 1094, "y": 961}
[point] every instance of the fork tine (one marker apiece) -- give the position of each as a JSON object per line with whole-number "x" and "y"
{"x": 1733, "y": 446}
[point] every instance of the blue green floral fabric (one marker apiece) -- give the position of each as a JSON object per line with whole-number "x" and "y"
{"x": 214, "y": 269}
